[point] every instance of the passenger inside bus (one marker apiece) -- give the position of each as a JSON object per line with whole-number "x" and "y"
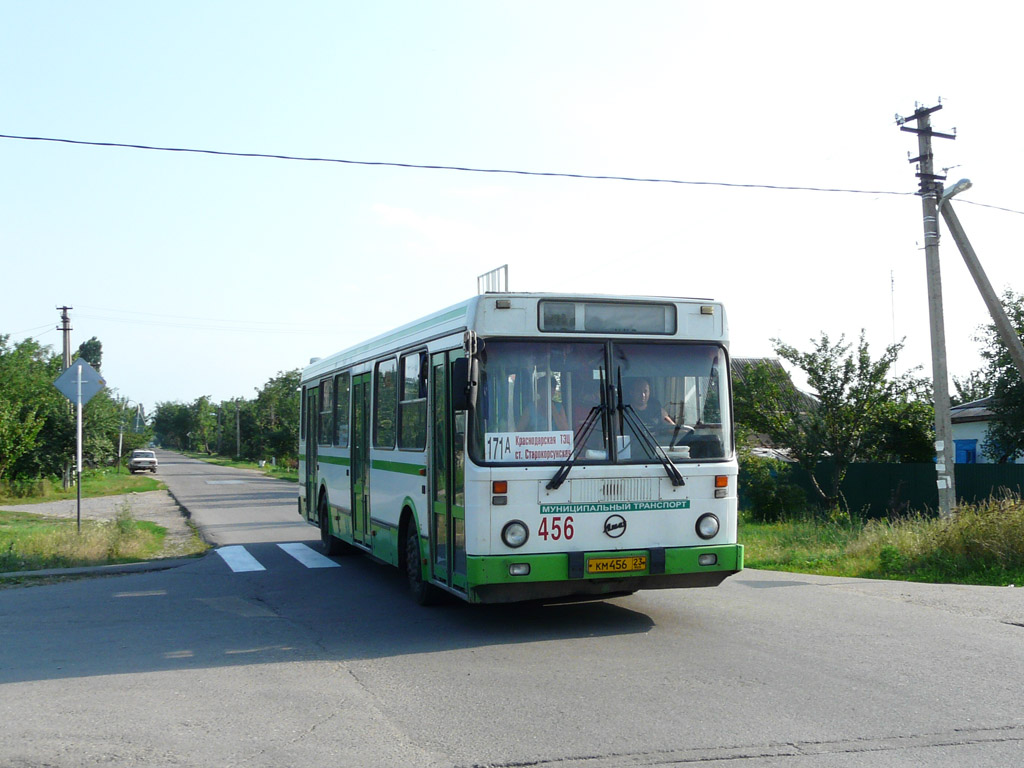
{"x": 534, "y": 417}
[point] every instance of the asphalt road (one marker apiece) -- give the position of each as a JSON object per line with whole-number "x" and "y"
{"x": 235, "y": 506}
{"x": 298, "y": 666}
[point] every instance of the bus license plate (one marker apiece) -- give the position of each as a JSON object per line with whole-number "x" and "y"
{"x": 617, "y": 564}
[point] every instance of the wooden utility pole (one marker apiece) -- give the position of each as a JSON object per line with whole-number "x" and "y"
{"x": 931, "y": 192}
{"x": 65, "y": 329}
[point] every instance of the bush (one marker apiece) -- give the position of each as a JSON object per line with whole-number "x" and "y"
{"x": 24, "y": 488}
{"x": 766, "y": 490}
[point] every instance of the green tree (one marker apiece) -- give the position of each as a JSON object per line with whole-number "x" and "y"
{"x": 975, "y": 386}
{"x": 107, "y": 421}
{"x": 171, "y": 425}
{"x": 39, "y": 427}
{"x": 277, "y": 415}
{"x": 19, "y": 431}
{"x": 202, "y": 424}
{"x": 903, "y": 429}
{"x": 268, "y": 425}
{"x": 92, "y": 352}
{"x": 859, "y": 411}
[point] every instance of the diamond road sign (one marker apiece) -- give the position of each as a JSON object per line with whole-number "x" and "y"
{"x": 67, "y": 382}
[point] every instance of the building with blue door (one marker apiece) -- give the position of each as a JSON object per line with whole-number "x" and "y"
{"x": 970, "y": 427}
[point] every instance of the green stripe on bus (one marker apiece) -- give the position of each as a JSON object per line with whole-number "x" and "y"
{"x": 555, "y": 567}
{"x": 398, "y": 466}
{"x": 342, "y": 461}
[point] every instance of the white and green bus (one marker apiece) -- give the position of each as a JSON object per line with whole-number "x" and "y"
{"x": 522, "y": 446}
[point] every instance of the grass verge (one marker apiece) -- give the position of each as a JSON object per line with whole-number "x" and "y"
{"x": 982, "y": 544}
{"x": 30, "y": 542}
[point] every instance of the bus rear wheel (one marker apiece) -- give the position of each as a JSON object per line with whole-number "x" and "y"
{"x": 422, "y": 592}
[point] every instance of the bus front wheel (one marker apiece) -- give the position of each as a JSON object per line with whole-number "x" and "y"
{"x": 422, "y": 593}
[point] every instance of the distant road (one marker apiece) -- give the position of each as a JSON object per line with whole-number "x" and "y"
{"x": 235, "y": 506}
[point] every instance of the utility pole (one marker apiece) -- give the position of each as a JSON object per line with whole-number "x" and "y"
{"x": 65, "y": 329}
{"x": 931, "y": 192}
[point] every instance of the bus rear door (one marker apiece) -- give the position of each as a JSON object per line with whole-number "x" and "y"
{"x": 361, "y": 459}
{"x": 447, "y": 476}
{"x": 312, "y": 415}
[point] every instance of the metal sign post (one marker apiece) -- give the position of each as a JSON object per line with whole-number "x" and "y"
{"x": 79, "y": 382}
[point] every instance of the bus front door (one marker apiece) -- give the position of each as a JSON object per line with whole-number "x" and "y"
{"x": 361, "y": 459}
{"x": 447, "y": 477}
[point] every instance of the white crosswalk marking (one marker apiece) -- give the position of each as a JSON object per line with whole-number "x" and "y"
{"x": 239, "y": 560}
{"x": 307, "y": 556}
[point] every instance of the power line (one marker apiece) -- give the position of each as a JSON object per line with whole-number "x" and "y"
{"x": 212, "y": 325}
{"x": 463, "y": 169}
{"x": 30, "y": 330}
{"x": 191, "y": 318}
{"x": 994, "y": 207}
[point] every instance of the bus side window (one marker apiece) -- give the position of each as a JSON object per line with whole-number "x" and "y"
{"x": 326, "y": 424}
{"x": 341, "y": 400}
{"x": 385, "y": 404}
{"x": 412, "y": 405}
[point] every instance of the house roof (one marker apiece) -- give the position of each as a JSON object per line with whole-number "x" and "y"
{"x": 740, "y": 365}
{"x": 977, "y": 410}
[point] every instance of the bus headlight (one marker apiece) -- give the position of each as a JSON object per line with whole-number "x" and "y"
{"x": 515, "y": 534}
{"x": 707, "y": 526}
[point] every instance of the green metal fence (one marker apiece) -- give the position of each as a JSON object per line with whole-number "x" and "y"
{"x": 881, "y": 490}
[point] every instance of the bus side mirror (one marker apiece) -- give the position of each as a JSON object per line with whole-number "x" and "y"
{"x": 465, "y": 384}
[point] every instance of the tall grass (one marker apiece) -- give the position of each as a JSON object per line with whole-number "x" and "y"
{"x": 981, "y": 544}
{"x": 36, "y": 542}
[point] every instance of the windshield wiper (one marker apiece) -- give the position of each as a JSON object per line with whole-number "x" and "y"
{"x": 581, "y": 436}
{"x": 580, "y": 442}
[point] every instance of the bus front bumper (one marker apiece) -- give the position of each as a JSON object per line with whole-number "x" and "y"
{"x": 511, "y": 578}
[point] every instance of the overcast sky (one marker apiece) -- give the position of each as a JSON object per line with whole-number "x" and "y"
{"x": 207, "y": 275}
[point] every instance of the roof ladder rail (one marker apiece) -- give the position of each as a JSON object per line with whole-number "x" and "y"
{"x": 495, "y": 281}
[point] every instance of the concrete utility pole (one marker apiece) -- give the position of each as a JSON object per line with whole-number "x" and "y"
{"x": 931, "y": 191}
{"x": 1002, "y": 323}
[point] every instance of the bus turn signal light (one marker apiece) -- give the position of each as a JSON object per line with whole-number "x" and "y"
{"x": 721, "y": 486}
{"x": 499, "y": 486}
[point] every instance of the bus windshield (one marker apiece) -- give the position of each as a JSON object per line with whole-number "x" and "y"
{"x": 627, "y": 402}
